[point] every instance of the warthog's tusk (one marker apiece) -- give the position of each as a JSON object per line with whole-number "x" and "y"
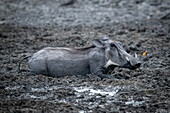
{"x": 136, "y": 56}
{"x": 127, "y": 59}
{"x": 110, "y": 63}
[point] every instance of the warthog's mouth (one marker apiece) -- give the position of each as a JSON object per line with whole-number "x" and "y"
{"x": 112, "y": 65}
{"x": 133, "y": 67}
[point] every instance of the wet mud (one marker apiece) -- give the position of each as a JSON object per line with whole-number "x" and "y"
{"x": 141, "y": 25}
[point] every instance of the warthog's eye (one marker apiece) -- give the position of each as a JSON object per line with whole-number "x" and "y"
{"x": 120, "y": 44}
{"x": 112, "y": 44}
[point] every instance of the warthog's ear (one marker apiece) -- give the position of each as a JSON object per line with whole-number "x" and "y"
{"x": 98, "y": 43}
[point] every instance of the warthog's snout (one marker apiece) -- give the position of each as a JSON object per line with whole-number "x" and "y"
{"x": 135, "y": 66}
{"x": 133, "y": 63}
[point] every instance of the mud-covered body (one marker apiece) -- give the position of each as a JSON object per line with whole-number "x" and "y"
{"x": 58, "y": 62}
{"x": 61, "y": 61}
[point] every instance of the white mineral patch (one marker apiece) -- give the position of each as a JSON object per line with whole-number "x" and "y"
{"x": 134, "y": 103}
{"x": 12, "y": 88}
{"x": 45, "y": 89}
{"x": 82, "y": 111}
{"x": 38, "y": 89}
{"x": 96, "y": 91}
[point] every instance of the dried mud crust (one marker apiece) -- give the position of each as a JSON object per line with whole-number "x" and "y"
{"x": 142, "y": 90}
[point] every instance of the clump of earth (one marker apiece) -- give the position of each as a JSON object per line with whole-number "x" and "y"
{"x": 141, "y": 25}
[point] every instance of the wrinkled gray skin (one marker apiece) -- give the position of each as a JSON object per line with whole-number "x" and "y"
{"x": 61, "y": 61}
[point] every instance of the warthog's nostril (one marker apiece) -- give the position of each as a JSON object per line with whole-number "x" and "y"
{"x": 137, "y": 65}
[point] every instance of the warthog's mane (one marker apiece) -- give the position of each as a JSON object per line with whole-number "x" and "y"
{"x": 83, "y": 49}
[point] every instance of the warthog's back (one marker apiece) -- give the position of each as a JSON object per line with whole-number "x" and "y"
{"x": 60, "y": 62}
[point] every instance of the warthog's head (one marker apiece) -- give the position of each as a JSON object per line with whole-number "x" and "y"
{"x": 116, "y": 56}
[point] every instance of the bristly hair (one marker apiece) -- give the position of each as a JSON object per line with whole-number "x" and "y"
{"x": 84, "y": 48}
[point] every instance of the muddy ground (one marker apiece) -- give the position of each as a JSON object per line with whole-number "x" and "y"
{"x": 27, "y": 26}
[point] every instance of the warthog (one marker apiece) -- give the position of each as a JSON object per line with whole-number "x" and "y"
{"x": 100, "y": 57}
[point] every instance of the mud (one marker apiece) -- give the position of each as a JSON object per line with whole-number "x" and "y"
{"x": 27, "y": 26}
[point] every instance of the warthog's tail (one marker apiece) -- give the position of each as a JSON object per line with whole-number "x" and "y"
{"x": 19, "y": 65}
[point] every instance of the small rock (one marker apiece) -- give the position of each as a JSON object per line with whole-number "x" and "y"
{"x": 66, "y": 2}
{"x": 138, "y": 44}
{"x": 9, "y": 68}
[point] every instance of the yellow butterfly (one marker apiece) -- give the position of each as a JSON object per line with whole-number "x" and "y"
{"x": 144, "y": 53}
